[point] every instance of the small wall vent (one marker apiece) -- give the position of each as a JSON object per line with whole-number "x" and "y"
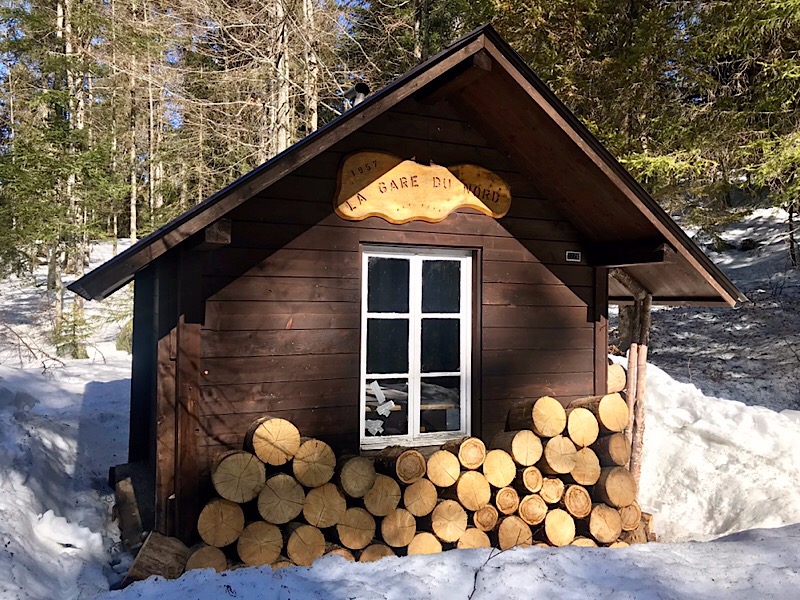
{"x": 573, "y": 256}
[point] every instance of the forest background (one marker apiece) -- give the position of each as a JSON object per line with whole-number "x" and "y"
{"x": 118, "y": 115}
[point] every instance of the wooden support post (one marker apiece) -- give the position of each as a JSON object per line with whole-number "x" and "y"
{"x": 637, "y": 440}
{"x": 190, "y": 320}
{"x": 600, "y": 331}
{"x": 630, "y": 388}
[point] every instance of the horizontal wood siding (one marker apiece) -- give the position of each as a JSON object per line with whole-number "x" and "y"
{"x": 281, "y": 333}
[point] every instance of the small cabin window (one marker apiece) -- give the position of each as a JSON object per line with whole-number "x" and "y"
{"x": 416, "y": 334}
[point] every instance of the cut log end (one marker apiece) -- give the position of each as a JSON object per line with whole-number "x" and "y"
{"x": 314, "y": 463}
{"x": 473, "y": 490}
{"x": 552, "y": 490}
{"x": 398, "y": 528}
{"x": 616, "y": 487}
{"x": 420, "y": 498}
{"x": 424, "y": 543}
{"x": 449, "y": 521}
{"x": 613, "y": 450}
{"x": 559, "y": 527}
{"x": 274, "y": 441}
{"x": 305, "y": 545}
{"x": 281, "y": 500}
{"x": 577, "y": 501}
{"x": 524, "y": 446}
{"x": 582, "y": 427}
{"x": 324, "y": 506}
{"x": 356, "y": 529}
{"x": 473, "y": 538}
{"x": 559, "y": 456}
{"x": 384, "y": 496}
{"x": 499, "y": 468}
{"x": 513, "y": 532}
{"x": 220, "y": 523}
{"x": 238, "y": 476}
{"x": 357, "y": 476}
{"x": 486, "y": 518}
{"x": 375, "y": 552}
{"x": 587, "y": 467}
{"x": 605, "y": 524}
{"x": 260, "y": 544}
{"x": 532, "y": 509}
{"x": 530, "y": 479}
{"x": 507, "y": 500}
{"x": 443, "y": 468}
{"x": 207, "y": 557}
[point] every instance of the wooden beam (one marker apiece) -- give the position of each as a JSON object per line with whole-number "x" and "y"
{"x": 476, "y": 68}
{"x": 629, "y": 282}
{"x": 187, "y": 367}
{"x": 600, "y": 331}
{"x": 628, "y": 255}
{"x": 216, "y": 235}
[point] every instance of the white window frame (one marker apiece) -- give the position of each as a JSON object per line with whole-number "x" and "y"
{"x": 415, "y": 256}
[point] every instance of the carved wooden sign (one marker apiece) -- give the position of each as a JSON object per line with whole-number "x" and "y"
{"x": 378, "y": 184}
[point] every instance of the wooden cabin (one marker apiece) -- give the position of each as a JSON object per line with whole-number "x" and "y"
{"x": 445, "y": 244}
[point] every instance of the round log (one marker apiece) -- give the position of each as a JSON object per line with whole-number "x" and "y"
{"x": 384, "y": 496}
{"x": 339, "y": 551}
{"x": 274, "y": 441}
{"x": 448, "y": 521}
{"x": 424, "y": 543}
{"x": 473, "y": 538}
{"x": 587, "y": 467}
{"x": 524, "y": 446}
{"x": 513, "y": 532}
{"x": 305, "y": 545}
{"x": 375, "y": 552}
{"x": 486, "y": 518}
{"x": 605, "y": 524}
{"x": 207, "y": 557}
{"x": 238, "y": 476}
{"x": 613, "y": 450}
{"x": 443, "y": 468}
{"x": 610, "y": 410}
{"x": 631, "y": 516}
{"x": 471, "y": 451}
{"x": 356, "y": 475}
{"x": 559, "y": 527}
{"x": 616, "y": 487}
{"x": 552, "y": 490}
{"x": 507, "y": 500}
{"x": 407, "y": 465}
{"x": 619, "y": 544}
{"x": 356, "y": 529}
{"x": 281, "y": 500}
{"x": 420, "y": 498}
{"x": 545, "y": 416}
{"x": 220, "y": 522}
{"x": 529, "y": 479}
{"x": 260, "y": 544}
{"x": 282, "y": 563}
{"x": 532, "y": 509}
{"x": 584, "y": 542}
{"x": 558, "y": 456}
{"x": 582, "y": 426}
{"x": 637, "y": 536}
{"x": 314, "y": 463}
{"x": 616, "y": 379}
{"x": 473, "y": 490}
{"x": 398, "y": 528}
{"x": 499, "y": 468}
{"x": 577, "y": 501}
{"x": 324, "y": 506}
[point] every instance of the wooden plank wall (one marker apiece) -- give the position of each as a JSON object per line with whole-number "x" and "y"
{"x": 281, "y": 332}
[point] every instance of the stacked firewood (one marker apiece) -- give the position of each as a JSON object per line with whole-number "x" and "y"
{"x": 556, "y": 477}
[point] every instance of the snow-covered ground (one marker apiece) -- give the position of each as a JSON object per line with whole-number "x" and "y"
{"x": 722, "y": 455}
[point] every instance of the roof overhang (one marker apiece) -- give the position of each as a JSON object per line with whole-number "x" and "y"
{"x": 490, "y": 84}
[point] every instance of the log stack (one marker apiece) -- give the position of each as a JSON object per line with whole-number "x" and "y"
{"x": 556, "y": 477}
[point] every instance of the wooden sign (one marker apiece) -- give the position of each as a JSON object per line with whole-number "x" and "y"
{"x": 378, "y": 184}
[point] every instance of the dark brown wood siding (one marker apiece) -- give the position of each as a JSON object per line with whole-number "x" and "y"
{"x": 281, "y": 332}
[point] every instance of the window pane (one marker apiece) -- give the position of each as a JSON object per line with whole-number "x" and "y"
{"x": 387, "y": 346}
{"x": 441, "y": 286}
{"x": 440, "y": 404}
{"x": 440, "y": 345}
{"x": 387, "y": 281}
{"x": 386, "y": 402}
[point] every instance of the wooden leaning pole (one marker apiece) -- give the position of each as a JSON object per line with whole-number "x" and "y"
{"x": 637, "y": 366}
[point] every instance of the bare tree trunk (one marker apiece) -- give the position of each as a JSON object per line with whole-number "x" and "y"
{"x": 792, "y": 236}
{"x": 132, "y": 151}
{"x": 283, "y": 110}
{"x": 311, "y": 75}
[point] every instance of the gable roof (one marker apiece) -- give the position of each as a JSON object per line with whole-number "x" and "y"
{"x": 596, "y": 193}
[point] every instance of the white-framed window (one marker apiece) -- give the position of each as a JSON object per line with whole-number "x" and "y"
{"x": 416, "y": 337}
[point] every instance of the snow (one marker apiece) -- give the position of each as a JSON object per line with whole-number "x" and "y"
{"x": 721, "y": 462}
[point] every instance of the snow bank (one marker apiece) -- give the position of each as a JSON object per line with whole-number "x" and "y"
{"x": 757, "y": 564}
{"x": 59, "y": 432}
{"x": 713, "y": 466}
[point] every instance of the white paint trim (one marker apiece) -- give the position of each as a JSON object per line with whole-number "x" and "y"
{"x": 416, "y": 256}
